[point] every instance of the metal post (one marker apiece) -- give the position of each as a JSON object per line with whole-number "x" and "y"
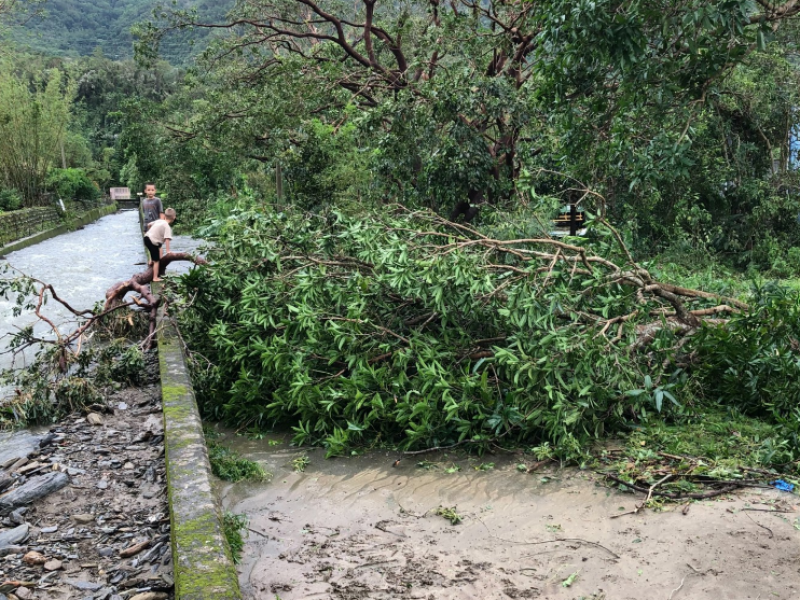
{"x": 573, "y": 220}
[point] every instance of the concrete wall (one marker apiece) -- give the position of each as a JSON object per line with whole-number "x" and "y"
{"x": 202, "y": 565}
{"x": 23, "y": 223}
{"x": 57, "y": 228}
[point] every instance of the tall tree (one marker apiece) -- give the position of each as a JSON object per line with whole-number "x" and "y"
{"x": 33, "y": 123}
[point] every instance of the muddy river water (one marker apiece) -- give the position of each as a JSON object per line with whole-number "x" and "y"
{"x": 363, "y": 528}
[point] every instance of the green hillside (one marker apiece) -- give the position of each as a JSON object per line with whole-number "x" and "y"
{"x": 79, "y": 27}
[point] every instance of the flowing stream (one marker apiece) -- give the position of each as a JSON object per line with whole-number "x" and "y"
{"x": 81, "y": 266}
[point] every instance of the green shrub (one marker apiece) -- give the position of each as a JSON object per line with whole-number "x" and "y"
{"x": 753, "y": 362}
{"x": 72, "y": 184}
{"x": 10, "y": 200}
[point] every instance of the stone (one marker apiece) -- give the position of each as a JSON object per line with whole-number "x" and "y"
{"x": 84, "y": 585}
{"x": 128, "y": 466}
{"x": 94, "y": 419}
{"x": 52, "y": 529}
{"x": 23, "y": 593}
{"x": 52, "y": 565}
{"x": 34, "y": 558}
{"x": 83, "y": 518}
{"x": 102, "y": 484}
{"x": 35, "y": 488}
{"x": 150, "y": 596}
{"x": 12, "y": 536}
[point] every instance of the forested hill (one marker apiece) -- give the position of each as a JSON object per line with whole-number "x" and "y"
{"x": 79, "y": 27}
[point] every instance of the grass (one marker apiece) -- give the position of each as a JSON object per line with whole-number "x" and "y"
{"x": 715, "y": 445}
{"x": 723, "y": 437}
{"x": 232, "y": 526}
{"x": 228, "y": 465}
{"x": 449, "y": 513}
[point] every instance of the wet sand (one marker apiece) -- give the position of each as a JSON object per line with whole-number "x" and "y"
{"x": 362, "y": 528}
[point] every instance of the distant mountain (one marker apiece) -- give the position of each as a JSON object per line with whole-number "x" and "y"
{"x": 79, "y": 27}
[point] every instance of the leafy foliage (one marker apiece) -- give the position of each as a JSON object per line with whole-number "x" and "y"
{"x": 388, "y": 327}
{"x": 72, "y": 184}
{"x": 228, "y": 465}
{"x": 232, "y": 526}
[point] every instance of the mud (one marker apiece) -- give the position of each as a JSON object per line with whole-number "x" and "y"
{"x": 362, "y": 528}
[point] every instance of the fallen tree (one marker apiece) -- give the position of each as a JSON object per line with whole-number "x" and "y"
{"x": 403, "y": 327}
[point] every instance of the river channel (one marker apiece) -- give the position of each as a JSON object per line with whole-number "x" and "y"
{"x": 81, "y": 266}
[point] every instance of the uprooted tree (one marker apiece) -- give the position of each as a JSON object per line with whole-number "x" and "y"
{"x": 401, "y": 327}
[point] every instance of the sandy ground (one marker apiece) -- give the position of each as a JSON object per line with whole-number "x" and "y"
{"x": 361, "y": 528}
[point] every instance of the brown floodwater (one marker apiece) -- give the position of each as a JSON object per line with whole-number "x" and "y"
{"x": 362, "y": 528}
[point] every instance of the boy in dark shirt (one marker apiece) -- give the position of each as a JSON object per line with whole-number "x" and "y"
{"x": 152, "y": 208}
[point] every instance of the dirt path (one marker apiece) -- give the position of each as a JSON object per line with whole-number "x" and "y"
{"x": 361, "y": 528}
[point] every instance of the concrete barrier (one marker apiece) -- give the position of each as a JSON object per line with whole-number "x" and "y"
{"x": 203, "y": 568}
{"x": 81, "y": 220}
{"x": 201, "y": 558}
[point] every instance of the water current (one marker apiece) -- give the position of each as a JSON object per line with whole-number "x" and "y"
{"x": 81, "y": 266}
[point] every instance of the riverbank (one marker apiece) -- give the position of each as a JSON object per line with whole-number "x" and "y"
{"x": 105, "y": 534}
{"x": 461, "y": 527}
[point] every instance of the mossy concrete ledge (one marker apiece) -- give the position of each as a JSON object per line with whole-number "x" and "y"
{"x": 82, "y": 219}
{"x": 203, "y": 568}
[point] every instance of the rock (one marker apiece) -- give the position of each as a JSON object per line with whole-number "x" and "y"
{"x": 34, "y": 558}
{"x": 105, "y": 552}
{"x": 32, "y": 490}
{"x": 94, "y": 419}
{"x": 84, "y": 585}
{"x": 6, "y": 550}
{"x": 128, "y": 466}
{"x": 52, "y": 529}
{"x": 150, "y": 596}
{"x": 84, "y": 518}
{"x": 23, "y": 593}
{"x": 12, "y": 536}
{"x": 102, "y": 484}
{"x": 52, "y": 565}
{"x": 17, "y": 517}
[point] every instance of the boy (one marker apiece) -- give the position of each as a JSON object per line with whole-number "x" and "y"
{"x": 152, "y": 208}
{"x": 159, "y": 233}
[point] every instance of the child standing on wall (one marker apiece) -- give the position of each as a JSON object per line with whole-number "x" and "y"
{"x": 159, "y": 233}
{"x": 152, "y": 209}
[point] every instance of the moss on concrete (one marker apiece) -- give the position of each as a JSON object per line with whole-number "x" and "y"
{"x": 202, "y": 560}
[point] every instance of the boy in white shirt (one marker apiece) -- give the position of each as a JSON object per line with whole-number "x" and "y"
{"x": 159, "y": 233}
